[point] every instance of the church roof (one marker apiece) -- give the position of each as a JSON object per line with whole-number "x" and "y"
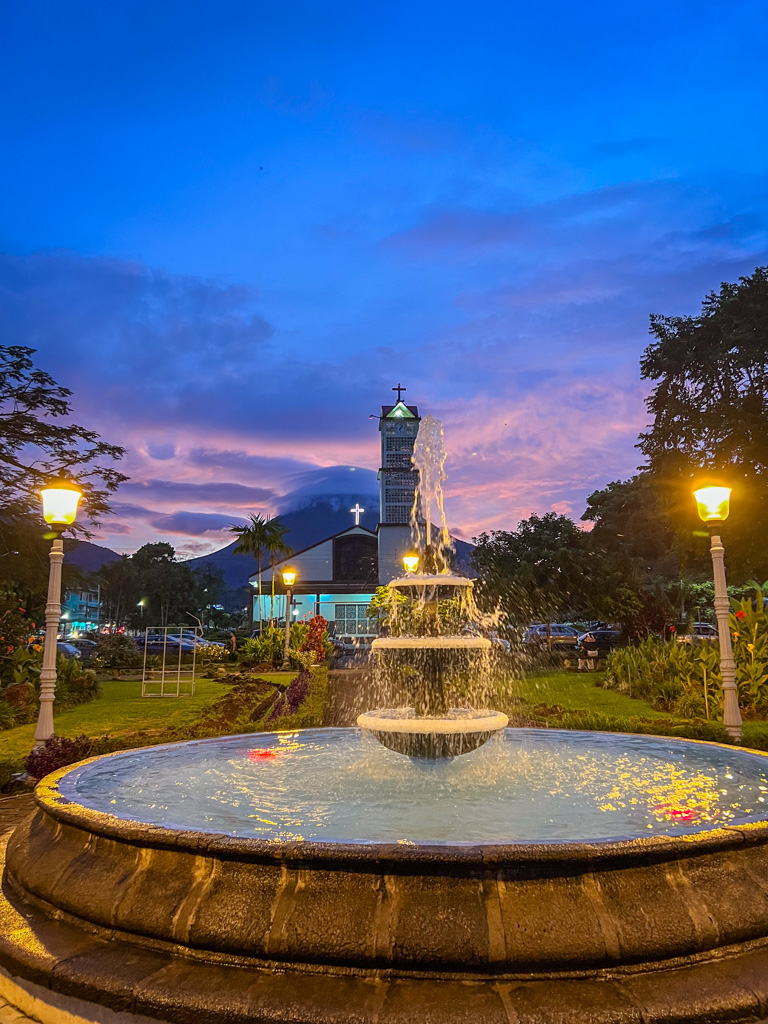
{"x": 399, "y": 411}
{"x": 267, "y": 569}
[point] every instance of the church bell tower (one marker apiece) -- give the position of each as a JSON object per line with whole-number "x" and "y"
{"x": 399, "y": 425}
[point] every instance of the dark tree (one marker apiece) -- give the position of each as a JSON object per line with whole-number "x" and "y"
{"x": 169, "y": 588}
{"x": 641, "y": 570}
{"x": 710, "y": 409}
{"x": 544, "y": 570}
{"x": 119, "y": 590}
{"x": 38, "y": 439}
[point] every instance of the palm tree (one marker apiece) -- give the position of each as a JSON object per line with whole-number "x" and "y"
{"x": 278, "y": 550}
{"x": 253, "y": 539}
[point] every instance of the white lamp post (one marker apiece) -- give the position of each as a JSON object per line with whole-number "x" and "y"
{"x": 289, "y": 578}
{"x": 60, "y": 501}
{"x": 713, "y": 504}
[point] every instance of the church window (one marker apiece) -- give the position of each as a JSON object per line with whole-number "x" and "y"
{"x": 400, "y": 479}
{"x": 399, "y": 494}
{"x": 399, "y": 444}
{"x": 355, "y": 559}
{"x": 398, "y": 513}
{"x": 352, "y": 620}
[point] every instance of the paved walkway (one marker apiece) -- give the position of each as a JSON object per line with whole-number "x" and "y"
{"x": 12, "y": 810}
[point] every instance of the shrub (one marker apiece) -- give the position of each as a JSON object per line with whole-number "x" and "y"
{"x": 116, "y": 650}
{"x": 8, "y": 769}
{"x": 269, "y": 647}
{"x": 209, "y": 655}
{"x": 57, "y": 752}
{"x": 598, "y": 721}
{"x": 74, "y": 684}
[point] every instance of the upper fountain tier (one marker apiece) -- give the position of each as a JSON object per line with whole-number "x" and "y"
{"x": 423, "y": 579}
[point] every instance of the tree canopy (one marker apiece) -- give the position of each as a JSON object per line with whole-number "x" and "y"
{"x": 543, "y": 570}
{"x": 38, "y": 439}
{"x": 710, "y": 408}
{"x": 151, "y": 588}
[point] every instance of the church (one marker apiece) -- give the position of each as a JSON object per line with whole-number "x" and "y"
{"x": 338, "y": 576}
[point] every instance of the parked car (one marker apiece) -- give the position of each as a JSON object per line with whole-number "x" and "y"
{"x": 701, "y": 633}
{"x": 560, "y": 636}
{"x": 67, "y": 650}
{"x": 195, "y": 639}
{"x": 157, "y": 644}
{"x": 63, "y": 647}
{"x": 600, "y": 640}
{"x": 86, "y": 647}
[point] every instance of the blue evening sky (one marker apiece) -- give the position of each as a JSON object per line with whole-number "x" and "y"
{"x": 230, "y": 228}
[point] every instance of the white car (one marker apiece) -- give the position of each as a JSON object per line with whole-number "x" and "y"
{"x": 701, "y": 633}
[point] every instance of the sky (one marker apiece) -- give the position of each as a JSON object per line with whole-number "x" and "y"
{"x": 230, "y": 228}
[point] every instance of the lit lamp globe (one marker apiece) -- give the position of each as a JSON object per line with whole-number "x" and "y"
{"x": 411, "y": 562}
{"x": 289, "y": 577}
{"x": 713, "y": 504}
{"x": 60, "y": 501}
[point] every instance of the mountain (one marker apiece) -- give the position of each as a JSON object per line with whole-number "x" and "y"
{"x": 89, "y": 557}
{"x": 319, "y": 517}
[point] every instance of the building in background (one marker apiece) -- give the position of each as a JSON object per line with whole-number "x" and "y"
{"x": 80, "y": 611}
{"x": 337, "y": 577}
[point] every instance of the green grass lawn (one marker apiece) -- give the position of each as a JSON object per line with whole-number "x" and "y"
{"x": 578, "y": 692}
{"x": 122, "y": 709}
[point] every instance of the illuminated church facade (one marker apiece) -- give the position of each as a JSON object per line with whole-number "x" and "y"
{"x": 338, "y": 576}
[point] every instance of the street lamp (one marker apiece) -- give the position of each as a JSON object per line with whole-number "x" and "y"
{"x": 712, "y": 504}
{"x": 289, "y": 578}
{"x": 411, "y": 562}
{"x": 60, "y": 501}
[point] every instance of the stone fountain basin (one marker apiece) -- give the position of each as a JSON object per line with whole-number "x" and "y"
{"x": 654, "y": 929}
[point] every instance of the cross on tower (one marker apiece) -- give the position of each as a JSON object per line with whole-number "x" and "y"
{"x": 357, "y": 510}
{"x": 398, "y": 389}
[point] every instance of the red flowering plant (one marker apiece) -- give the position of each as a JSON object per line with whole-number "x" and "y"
{"x": 749, "y": 630}
{"x": 314, "y": 641}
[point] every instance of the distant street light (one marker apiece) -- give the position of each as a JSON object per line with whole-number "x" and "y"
{"x": 60, "y": 501}
{"x": 140, "y": 604}
{"x": 713, "y": 505}
{"x": 289, "y": 578}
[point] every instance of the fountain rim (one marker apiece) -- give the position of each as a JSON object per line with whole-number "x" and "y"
{"x": 468, "y": 855}
{"x": 374, "y": 721}
{"x": 432, "y": 643}
{"x": 423, "y": 579}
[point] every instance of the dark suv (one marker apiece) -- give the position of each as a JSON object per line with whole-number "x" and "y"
{"x": 600, "y": 640}
{"x": 560, "y": 636}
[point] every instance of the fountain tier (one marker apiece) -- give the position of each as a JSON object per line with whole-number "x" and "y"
{"x": 458, "y": 731}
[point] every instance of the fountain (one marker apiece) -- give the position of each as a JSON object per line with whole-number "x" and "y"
{"x": 322, "y": 877}
{"x": 429, "y": 614}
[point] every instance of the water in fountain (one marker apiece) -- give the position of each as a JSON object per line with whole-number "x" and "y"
{"x": 434, "y": 665}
